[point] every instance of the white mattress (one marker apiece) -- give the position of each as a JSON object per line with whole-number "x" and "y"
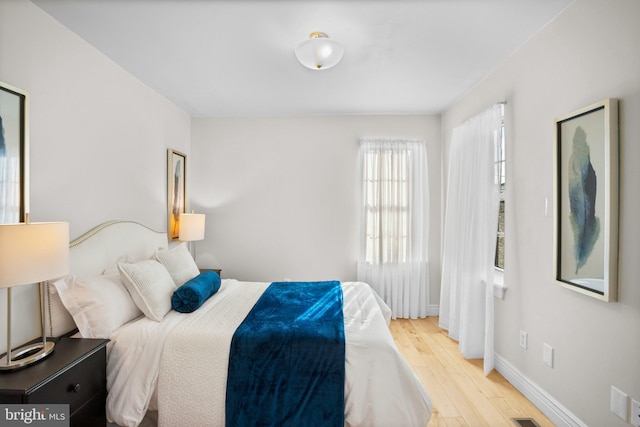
{"x": 179, "y": 366}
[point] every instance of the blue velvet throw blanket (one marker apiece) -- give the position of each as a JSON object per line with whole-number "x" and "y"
{"x": 287, "y": 359}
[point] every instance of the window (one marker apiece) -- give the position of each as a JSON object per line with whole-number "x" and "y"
{"x": 387, "y": 205}
{"x": 394, "y": 233}
{"x": 500, "y": 162}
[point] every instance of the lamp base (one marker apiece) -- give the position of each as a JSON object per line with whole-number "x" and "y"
{"x": 25, "y": 356}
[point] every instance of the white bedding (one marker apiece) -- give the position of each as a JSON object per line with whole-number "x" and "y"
{"x": 179, "y": 365}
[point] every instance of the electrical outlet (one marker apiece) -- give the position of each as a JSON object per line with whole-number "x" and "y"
{"x": 547, "y": 355}
{"x": 619, "y": 403}
{"x": 523, "y": 339}
{"x": 635, "y": 413}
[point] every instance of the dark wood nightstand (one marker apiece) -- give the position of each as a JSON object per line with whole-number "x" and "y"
{"x": 74, "y": 374}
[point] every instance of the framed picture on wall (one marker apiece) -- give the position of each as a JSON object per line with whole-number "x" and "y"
{"x": 586, "y": 200}
{"x": 176, "y": 191}
{"x": 14, "y": 105}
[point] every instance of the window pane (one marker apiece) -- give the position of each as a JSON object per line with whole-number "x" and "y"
{"x": 500, "y": 162}
{"x": 499, "y": 262}
{"x": 387, "y": 219}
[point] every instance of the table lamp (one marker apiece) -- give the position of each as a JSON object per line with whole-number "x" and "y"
{"x": 191, "y": 228}
{"x": 31, "y": 253}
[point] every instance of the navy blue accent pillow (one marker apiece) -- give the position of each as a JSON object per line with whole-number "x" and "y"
{"x": 190, "y": 296}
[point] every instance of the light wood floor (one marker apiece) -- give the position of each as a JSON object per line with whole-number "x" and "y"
{"x": 461, "y": 394}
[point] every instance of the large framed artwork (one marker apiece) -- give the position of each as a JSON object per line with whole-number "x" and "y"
{"x": 176, "y": 191}
{"x": 586, "y": 200}
{"x": 14, "y": 106}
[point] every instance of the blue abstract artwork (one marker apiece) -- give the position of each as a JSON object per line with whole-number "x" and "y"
{"x": 582, "y": 199}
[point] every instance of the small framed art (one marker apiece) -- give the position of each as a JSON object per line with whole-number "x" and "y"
{"x": 586, "y": 200}
{"x": 176, "y": 191}
{"x": 14, "y": 105}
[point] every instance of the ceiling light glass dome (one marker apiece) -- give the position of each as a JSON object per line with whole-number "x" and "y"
{"x": 319, "y": 52}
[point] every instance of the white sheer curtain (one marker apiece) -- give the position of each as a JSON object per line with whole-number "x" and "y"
{"x": 471, "y": 220}
{"x": 394, "y": 224}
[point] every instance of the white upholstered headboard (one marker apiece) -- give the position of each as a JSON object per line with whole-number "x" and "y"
{"x": 93, "y": 252}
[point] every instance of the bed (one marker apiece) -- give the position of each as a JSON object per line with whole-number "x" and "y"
{"x": 173, "y": 370}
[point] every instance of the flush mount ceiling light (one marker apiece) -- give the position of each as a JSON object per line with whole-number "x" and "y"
{"x": 319, "y": 52}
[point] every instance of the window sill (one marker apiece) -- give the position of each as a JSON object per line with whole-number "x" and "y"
{"x": 499, "y": 289}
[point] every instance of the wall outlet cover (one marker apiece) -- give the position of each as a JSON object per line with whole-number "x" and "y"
{"x": 523, "y": 339}
{"x": 619, "y": 403}
{"x": 635, "y": 413}
{"x": 547, "y": 355}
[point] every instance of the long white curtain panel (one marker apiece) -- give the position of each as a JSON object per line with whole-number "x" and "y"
{"x": 395, "y": 224}
{"x": 470, "y": 226}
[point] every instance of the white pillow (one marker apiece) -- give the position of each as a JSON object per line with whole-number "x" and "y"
{"x": 99, "y": 304}
{"x": 150, "y": 286}
{"x": 179, "y": 262}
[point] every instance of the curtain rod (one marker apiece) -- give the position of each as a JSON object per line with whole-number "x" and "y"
{"x": 485, "y": 109}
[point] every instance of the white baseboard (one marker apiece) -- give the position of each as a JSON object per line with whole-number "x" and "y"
{"x": 539, "y": 397}
{"x": 433, "y": 310}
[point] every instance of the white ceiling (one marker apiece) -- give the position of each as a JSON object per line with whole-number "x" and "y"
{"x": 236, "y": 58}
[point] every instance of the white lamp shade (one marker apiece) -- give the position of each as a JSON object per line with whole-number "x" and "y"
{"x": 33, "y": 252}
{"x": 319, "y": 52}
{"x": 191, "y": 227}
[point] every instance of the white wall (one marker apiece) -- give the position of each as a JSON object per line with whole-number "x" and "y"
{"x": 282, "y": 195}
{"x": 590, "y": 52}
{"x": 98, "y": 136}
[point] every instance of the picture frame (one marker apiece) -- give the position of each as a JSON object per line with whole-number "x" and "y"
{"x": 586, "y": 200}
{"x": 14, "y": 145}
{"x": 176, "y": 191}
